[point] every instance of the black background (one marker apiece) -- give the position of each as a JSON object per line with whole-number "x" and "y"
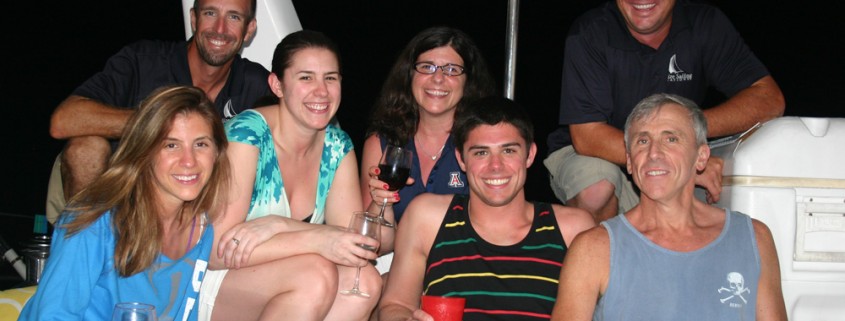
{"x": 53, "y": 47}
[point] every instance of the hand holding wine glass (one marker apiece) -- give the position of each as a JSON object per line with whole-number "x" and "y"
{"x": 394, "y": 169}
{"x": 365, "y": 224}
{"x": 134, "y": 311}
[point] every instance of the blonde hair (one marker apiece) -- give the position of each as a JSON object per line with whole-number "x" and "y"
{"x": 127, "y": 188}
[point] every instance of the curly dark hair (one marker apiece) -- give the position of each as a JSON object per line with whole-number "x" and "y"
{"x": 395, "y": 115}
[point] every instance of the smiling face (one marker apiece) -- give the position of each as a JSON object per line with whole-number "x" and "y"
{"x": 310, "y": 87}
{"x": 185, "y": 161}
{"x": 220, "y": 29}
{"x": 664, "y": 155}
{"x": 647, "y": 18}
{"x": 496, "y": 160}
{"x": 437, "y": 93}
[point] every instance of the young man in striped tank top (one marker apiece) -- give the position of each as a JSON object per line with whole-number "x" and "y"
{"x": 500, "y": 252}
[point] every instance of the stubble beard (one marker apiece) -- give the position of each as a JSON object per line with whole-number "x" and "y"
{"x": 217, "y": 60}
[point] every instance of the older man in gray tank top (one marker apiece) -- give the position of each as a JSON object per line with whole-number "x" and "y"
{"x": 672, "y": 257}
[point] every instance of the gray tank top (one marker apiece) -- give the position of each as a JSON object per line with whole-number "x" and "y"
{"x": 648, "y": 282}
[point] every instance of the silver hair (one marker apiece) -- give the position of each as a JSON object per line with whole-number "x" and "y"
{"x": 651, "y": 104}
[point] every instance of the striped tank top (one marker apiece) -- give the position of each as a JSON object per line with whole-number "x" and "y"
{"x": 515, "y": 282}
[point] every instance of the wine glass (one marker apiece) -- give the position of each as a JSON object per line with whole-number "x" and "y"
{"x": 366, "y": 224}
{"x": 134, "y": 311}
{"x": 394, "y": 169}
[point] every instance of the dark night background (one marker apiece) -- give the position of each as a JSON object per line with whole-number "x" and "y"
{"x": 54, "y": 48}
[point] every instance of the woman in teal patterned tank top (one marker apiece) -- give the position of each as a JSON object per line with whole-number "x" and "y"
{"x": 295, "y": 189}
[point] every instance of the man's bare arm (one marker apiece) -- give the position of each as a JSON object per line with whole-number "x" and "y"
{"x": 572, "y": 221}
{"x": 598, "y": 139}
{"x": 414, "y": 237}
{"x": 770, "y": 304}
{"x": 584, "y": 275}
{"x": 80, "y": 116}
{"x": 760, "y": 102}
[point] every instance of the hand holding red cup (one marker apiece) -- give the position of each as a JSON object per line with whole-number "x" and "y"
{"x": 443, "y": 308}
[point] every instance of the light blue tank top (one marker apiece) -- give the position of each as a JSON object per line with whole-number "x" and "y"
{"x": 648, "y": 282}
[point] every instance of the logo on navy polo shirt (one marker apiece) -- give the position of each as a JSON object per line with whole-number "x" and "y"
{"x": 229, "y": 110}
{"x": 455, "y": 180}
{"x": 676, "y": 74}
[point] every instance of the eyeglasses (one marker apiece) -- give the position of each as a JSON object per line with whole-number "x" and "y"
{"x": 448, "y": 69}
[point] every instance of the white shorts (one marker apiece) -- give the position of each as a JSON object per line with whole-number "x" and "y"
{"x": 208, "y": 293}
{"x": 384, "y": 262}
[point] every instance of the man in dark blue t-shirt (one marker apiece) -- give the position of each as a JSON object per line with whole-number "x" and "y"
{"x": 623, "y": 51}
{"x": 92, "y": 118}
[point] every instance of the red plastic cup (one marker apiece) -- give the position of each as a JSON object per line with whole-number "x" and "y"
{"x": 443, "y": 308}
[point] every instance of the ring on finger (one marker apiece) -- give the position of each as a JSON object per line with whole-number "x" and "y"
{"x": 236, "y": 241}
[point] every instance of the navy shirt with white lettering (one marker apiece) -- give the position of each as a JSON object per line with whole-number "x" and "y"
{"x": 606, "y": 72}
{"x": 446, "y": 176}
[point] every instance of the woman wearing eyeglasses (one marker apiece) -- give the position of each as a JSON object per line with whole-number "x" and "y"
{"x": 439, "y": 70}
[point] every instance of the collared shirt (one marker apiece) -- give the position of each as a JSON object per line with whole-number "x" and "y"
{"x": 606, "y": 71}
{"x": 446, "y": 176}
{"x": 141, "y": 67}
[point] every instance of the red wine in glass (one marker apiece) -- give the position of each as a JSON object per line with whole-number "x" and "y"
{"x": 394, "y": 175}
{"x": 394, "y": 169}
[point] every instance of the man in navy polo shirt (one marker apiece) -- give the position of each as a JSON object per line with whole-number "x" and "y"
{"x": 92, "y": 118}
{"x": 626, "y": 50}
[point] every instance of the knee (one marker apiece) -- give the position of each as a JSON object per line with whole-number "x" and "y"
{"x": 320, "y": 278}
{"x": 86, "y": 149}
{"x": 372, "y": 282}
{"x": 601, "y": 190}
{"x": 348, "y": 307}
{"x": 314, "y": 287}
{"x": 300, "y": 287}
{"x": 596, "y": 195}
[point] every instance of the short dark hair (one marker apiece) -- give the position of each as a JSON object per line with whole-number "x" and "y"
{"x": 251, "y": 14}
{"x": 491, "y": 110}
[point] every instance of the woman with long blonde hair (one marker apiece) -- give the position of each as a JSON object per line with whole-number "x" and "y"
{"x": 141, "y": 231}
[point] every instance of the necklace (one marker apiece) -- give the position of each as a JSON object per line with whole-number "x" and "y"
{"x": 433, "y": 157}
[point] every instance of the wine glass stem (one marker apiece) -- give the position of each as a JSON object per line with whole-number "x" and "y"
{"x": 381, "y": 212}
{"x": 357, "y": 278}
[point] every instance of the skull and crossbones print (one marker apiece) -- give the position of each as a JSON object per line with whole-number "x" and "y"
{"x": 737, "y": 287}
